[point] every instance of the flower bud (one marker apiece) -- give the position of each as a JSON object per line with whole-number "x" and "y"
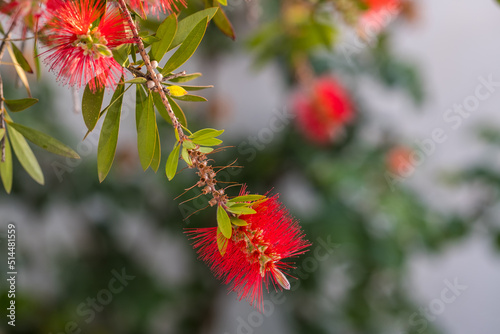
{"x": 154, "y": 64}
{"x": 150, "y": 84}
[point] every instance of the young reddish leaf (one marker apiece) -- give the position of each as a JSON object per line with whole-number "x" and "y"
{"x": 222, "y": 22}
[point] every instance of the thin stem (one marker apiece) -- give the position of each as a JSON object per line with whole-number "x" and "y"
{"x": 198, "y": 159}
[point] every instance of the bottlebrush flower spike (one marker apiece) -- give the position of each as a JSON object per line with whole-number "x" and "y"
{"x": 155, "y": 6}
{"x": 80, "y": 47}
{"x": 255, "y": 252}
{"x": 323, "y": 110}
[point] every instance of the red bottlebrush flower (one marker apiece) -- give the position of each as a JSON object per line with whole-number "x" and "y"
{"x": 80, "y": 47}
{"x": 255, "y": 252}
{"x": 155, "y": 6}
{"x": 324, "y": 110}
{"x": 378, "y": 16}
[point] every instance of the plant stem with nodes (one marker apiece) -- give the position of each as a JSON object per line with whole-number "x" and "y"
{"x": 198, "y": 159}
{"x": 2, "y": 120}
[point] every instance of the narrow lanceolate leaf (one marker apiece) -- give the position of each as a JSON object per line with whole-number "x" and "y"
{"x": 172, "y": 162}
{"x": 108, "y": 138}
{"x": 191, "y": 88}
{"x": 19, "y": 70}
{"x": 205, "y": 150}
{"x": 186, "y": 25}
{"x": 91, "y": 106}
{"x": 187, "y": 48}
{"x": 186, "y": 78}
{"x": 25, "y": 155}
{"x": 21, "y": 104}
{"x": 207, "y": 141}
{"x": 246, "y": 198}
{"x": 222, "y": 242}
{"x": 6, "y": 168}
{"x": 166, "y": 32}
{"x": 155, "y": 163}
{"x": 240, "y": 209}
{"x": 222, "y": 22}
{"x": 191, "y": 98}
{"x": 146, "y": 132}
{"x": 20, "y": 59}
{"x": 206, "y": 133}
{"x": 137, "y": 80}
{"x": 45, "y": 141}
{"x": 2, "y": 133}
{"x": 224, "y": 222}
{"x": 238, "y": 221}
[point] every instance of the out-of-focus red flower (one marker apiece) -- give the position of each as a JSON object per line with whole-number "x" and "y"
{"x": 80, "y": 49}
{"x": 255, "y": 252}
{"x": 378, "y": 15}
{"x": 155, "y": 6}
{"x": 26, "y": 11}
{"x": 324, "y": 110}
{"x": 399, "y": 160}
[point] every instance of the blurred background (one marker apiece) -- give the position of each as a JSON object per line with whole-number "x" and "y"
{"x": 381, "y": 138}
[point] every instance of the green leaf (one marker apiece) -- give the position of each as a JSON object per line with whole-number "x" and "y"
{"x": 222, "y": 22}
{"x": 187, "y": 144}
{"x": 186, "y": 78}
{"x": 187, "y": 48}
{"x": 241, "y": 209}
{"x": 172, "y": 162}
{"x": 139, "y": 80}
{"x": 25, "y": 155}
{"x": 192, "y": 88}
{"x": 185, "y": 156}
{"x": 177, "y": 111}
{"x": 223, "y": 222}
{"x": 6, "y": 168}
{"x": 91, "y": 106}
{"x": 222, "y": 242}
{"x": 45, "y": 141}
{"x": 146, "y": 131}
{"x": 207, "y": 141}
{"x": 149, "y": 40}
{"x": 155, "y": 163}
{"x": 246, "y": 198}
{"x": 205, "y": 150}
{"x": 206, "y": 133}
{"x": 2, "y": 133}
{"x": 20, "y": 59}
{"x": 19, "y": 70}
{"x": 238, "y": 221}
{"x": 121, "y": 53}
{"x": 36, "y": 59}
{"x": 108, "y": 138}
{"x": 21, "y": 104}
{"x": 166, "y": 32}
{"x": 191, "y": 98}
{"x": 186, "y": 25}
